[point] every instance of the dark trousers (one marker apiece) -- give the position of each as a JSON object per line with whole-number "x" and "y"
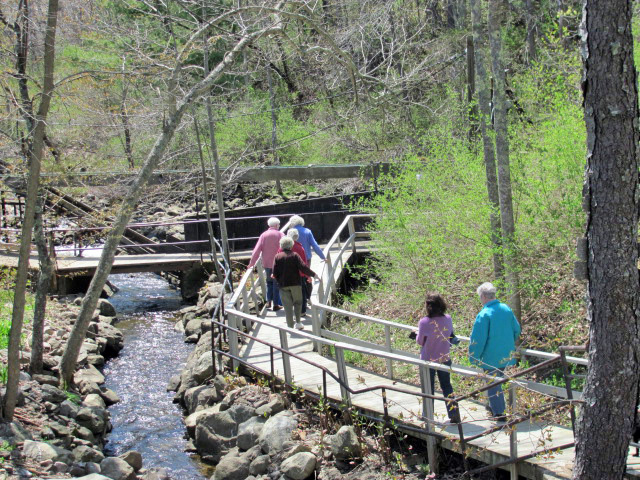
{"x": 444, "y": 378}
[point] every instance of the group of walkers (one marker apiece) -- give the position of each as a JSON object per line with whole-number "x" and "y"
{"x": 491, "y": 347}
{"x": 286, "y": 260}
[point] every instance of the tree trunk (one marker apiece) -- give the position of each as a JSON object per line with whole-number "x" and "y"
{"x": 90, "y": 301}
{"x": 471, "y": 88}
{"x": 42, "y": 290}
{"x": 274, "y": 125}
{"x": 611, "y": 201}
{"x": 531, "y": 30}
{"x": 484, "y": 101}
{"x": 33, "y": 180}
{"x": 496, "y": 14}
{"x": 124, "y": 118}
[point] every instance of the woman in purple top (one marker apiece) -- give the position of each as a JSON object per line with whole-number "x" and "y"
{"x": 434, "y": 334}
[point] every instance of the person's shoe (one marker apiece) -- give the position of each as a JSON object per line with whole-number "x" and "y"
{"x": 269, "y": 304}
{"x": 276, "y": 308}
{"x": 299, "y": 326}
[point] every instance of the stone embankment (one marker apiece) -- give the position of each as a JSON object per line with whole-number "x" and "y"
{"x": 251, "y": 433}
{"x": 61, "y": 434}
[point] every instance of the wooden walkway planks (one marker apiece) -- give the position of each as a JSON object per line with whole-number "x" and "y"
{"x": 494, "y": 448}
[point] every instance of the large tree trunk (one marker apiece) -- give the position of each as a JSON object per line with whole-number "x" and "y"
{"x": 484, "y": 100}
{"x": 42, "y": 290}
{"x": 33, "y": 180}
{"x": 496, "y": 14}
{"x": 611, "y": 200}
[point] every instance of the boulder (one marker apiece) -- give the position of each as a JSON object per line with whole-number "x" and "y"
{"x": 276, "y": 405}
{"x": 109, "y": 396}
{"x": 83, "y": 453}
{"x": 276, "y": 431}
{"x": 299, "y": 466}
{"x": 117, "y": 469}
{"x": 231, "y": 467}
{"x": 259, "y": 465}
{"x": 13, "y": 433}
{"x": 345, "y": 444}
{"x": 133, "y": 458}
{"x": 106, "y": 308}
{"x": 174, "y": 384}
{"x": 69, "y": 409}
{"x": 212, "y": 445}
{"x": 192, "y": 420}
{"x": 249, "y": 432}
{"x": 94, "y": 400}
{"x": 40, "y": 451}
{"x": 46, "y": 379}
{"x": 93, "y": 418}
{"x": 194, "y": 327}
{"x": 203, "y": 368}
{"x": 197, "y": 398}
{"x": 191, "y": 282}
{"x": 88, "y": 374}
{"x": 156, "y": 474}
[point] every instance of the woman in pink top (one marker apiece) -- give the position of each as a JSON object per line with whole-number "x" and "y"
{"x": 434, "y": 334}
{"x": 267, "y": 247}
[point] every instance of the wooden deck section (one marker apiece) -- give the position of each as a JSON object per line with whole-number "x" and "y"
{"x": 406, "y": 409}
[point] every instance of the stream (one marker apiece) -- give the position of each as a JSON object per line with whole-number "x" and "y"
{"x": 146, "y": 419}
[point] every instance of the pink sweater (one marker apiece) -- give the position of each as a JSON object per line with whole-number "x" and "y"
{"x": 268, "y": 245}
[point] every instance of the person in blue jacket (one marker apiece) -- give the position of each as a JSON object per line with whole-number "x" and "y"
{"x": 493, "y": 342}
{"x": 308, "y": 242}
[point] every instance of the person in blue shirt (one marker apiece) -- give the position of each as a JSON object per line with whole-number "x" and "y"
{"x": 308, "y": 242}
{"x": 493, "y": 342}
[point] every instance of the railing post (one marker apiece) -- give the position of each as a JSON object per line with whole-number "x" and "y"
{"x": 352, "y": 233}
{"x": 233, "y": 340}
{"x": 315, "y": 326}
{"x": 568, "y": 386}
{"x": 387, "y": 340}
{"x": 427, "y": 409}
{"x": 513, "y": 433}
{"x": 262, "y": 275}
{"x": 286, "y": 361}
{"x": 342, "y": 375}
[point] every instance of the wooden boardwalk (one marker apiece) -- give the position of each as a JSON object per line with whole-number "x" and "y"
{"x": 405, "y": 408}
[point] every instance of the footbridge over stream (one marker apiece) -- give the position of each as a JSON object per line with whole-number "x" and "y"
{"x": 316, "y": 360}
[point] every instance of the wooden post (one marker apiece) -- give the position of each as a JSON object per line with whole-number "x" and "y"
{"x": 342, "y": 375}
{"x": 315, "y": 327}
{"x": 427, "y": 409}
{"x": 352, "y": 233}
{"x": 233, "y": 341}
{"x": 387, "y": 339}
{"x": 263, "y": 278}
{"x": 286, "y": 361}
{"x": 513, "y": 433}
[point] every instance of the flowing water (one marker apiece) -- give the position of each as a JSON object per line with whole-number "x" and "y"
{"x": 146, "y": 419}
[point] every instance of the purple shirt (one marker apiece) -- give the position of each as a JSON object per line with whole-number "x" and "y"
{"x": 433, "y": 335}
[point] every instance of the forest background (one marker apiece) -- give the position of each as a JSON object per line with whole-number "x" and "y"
{"x": 365, "y": 82}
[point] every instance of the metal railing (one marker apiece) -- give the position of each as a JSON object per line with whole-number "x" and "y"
{"x": 246, "y": 297}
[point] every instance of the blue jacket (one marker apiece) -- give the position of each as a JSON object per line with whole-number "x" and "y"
{"x": 308, "y": 242}
{"x": 494, "y": 335}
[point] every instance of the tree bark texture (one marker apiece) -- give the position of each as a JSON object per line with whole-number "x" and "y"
{"x": 611, "y": 201}
{"x": 42, "y": 290}
{"x": 274, "y": 126}
{"x": 33, "y": 180}
{"x": 496, "y": 14}
{"x": 484, "y": 101}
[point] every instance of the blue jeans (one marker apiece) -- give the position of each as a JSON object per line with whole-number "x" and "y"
{"x": 444, "y": 378}
{"x": 496, "y": 397}
{"x": 273, "y": 292}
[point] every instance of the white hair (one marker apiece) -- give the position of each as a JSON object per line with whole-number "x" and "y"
{"x": 487, "y": 290}
{"x": 293, "y": 233}
{"x": 273, "y": 222}
{"x": 296, "y": 220}
{"x": 286, "y": 243}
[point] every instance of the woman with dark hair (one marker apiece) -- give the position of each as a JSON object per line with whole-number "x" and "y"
{"x": 434, "y": 334}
